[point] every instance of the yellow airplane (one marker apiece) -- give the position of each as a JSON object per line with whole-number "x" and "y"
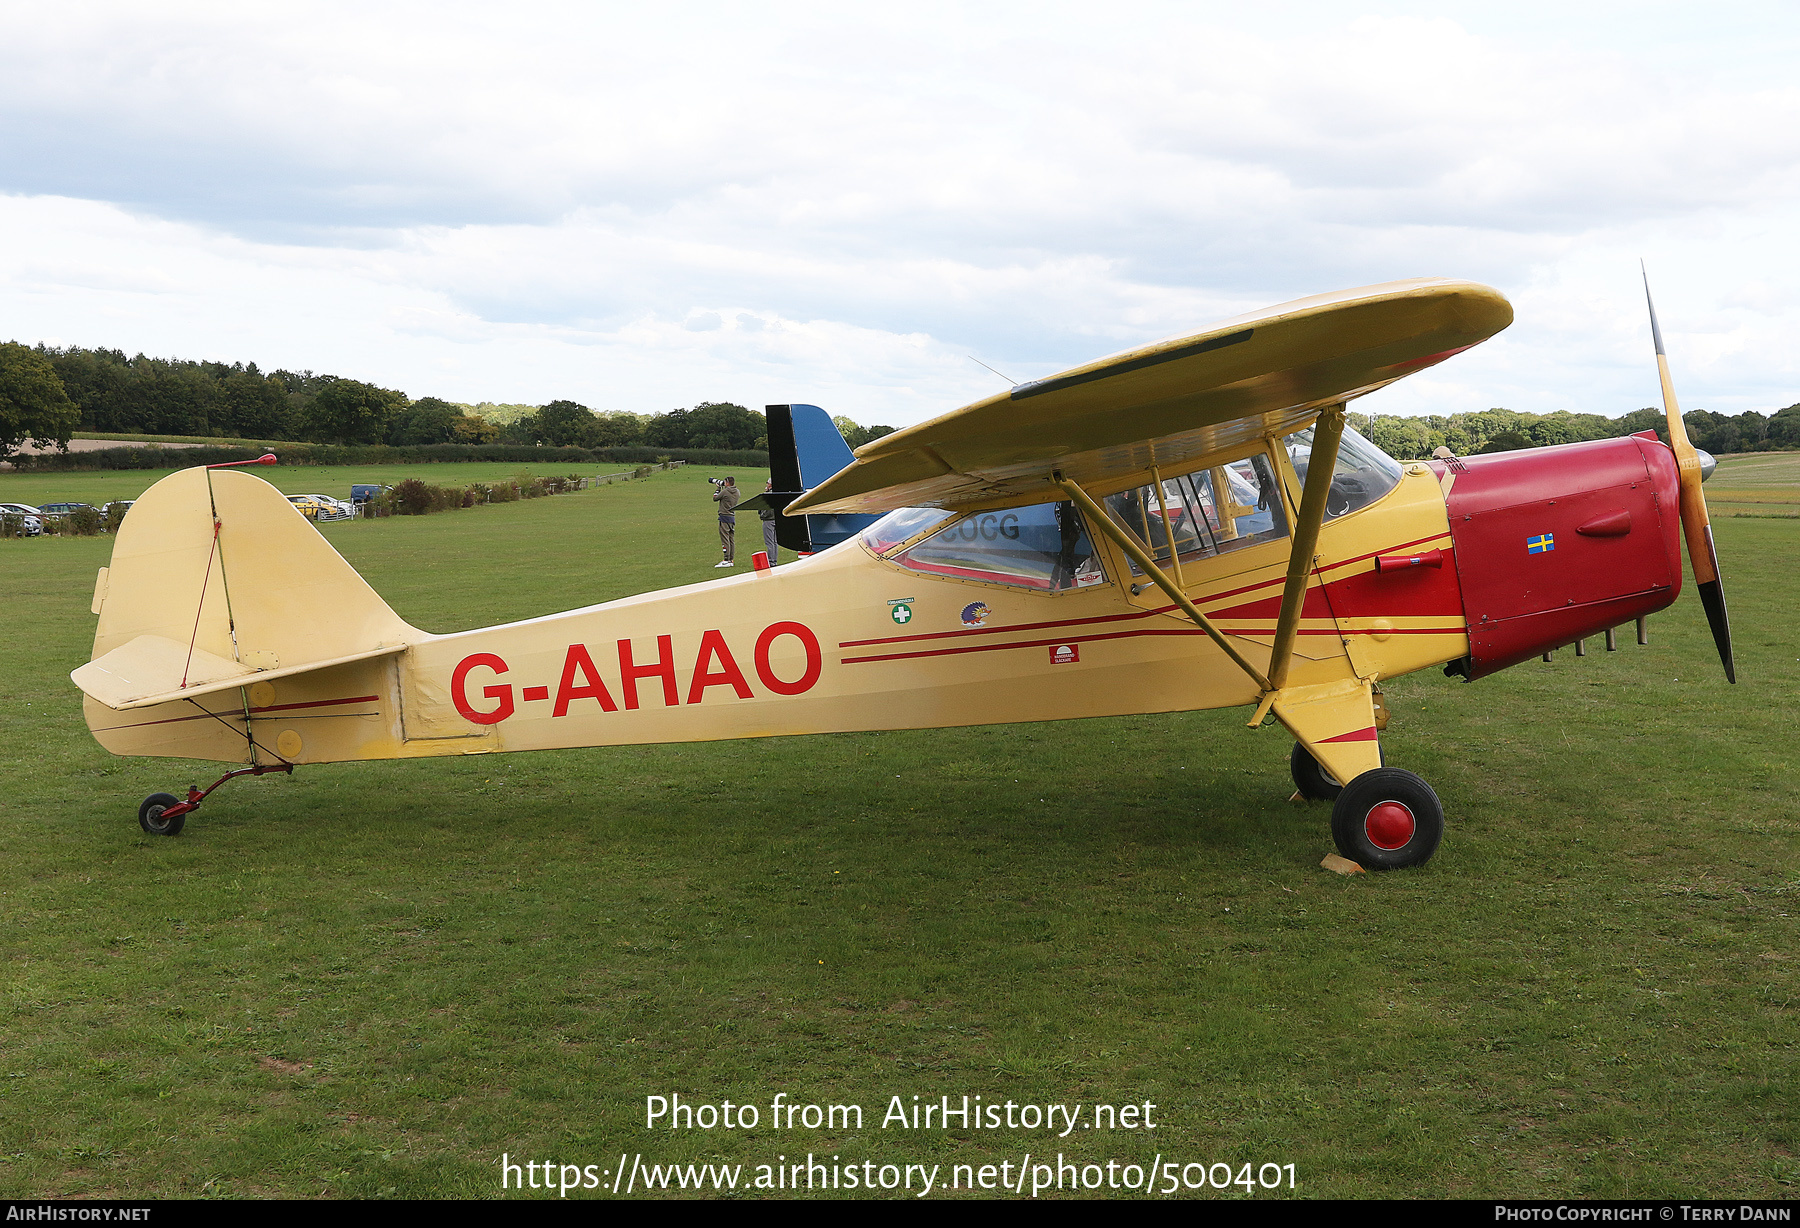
{"x": 1185, "y": 525}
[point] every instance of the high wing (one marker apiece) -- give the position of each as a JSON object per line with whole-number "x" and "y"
{"x": 1173, "y": 404}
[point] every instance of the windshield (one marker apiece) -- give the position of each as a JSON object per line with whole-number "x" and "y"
{"x": 1363, "y": 473}
{"x": 901, "y": 526}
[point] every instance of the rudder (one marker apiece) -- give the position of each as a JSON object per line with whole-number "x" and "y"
{"x": 216, "y": 579}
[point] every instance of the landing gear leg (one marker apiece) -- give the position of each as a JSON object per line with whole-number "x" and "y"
{"x": 1311, "y": 778}
{"x": 164, "y": 814}
{"x": 1382, "y": 818}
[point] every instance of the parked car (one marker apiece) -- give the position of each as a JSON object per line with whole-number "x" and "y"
{"x": 322, "y": 507}
{"x": 362, "y": 493}
{"x": 31, "y": 517}
{"x": 62, "y": 509}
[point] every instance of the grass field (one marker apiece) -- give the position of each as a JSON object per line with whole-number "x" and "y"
{"x": 1765, "y": 484}
{"x": 101, "y": 486}
{"x": 376, "y": 979}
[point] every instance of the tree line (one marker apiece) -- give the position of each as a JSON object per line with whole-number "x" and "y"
{"x": 1507, "y": 430}
{"x": 48, "y": 393}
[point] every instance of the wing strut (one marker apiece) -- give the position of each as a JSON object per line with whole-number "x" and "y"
{"x": 1098, "y": 519}
{"x": 1319, "y": 471}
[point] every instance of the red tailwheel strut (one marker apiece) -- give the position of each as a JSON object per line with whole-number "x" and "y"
{"x": 164, "y": 814}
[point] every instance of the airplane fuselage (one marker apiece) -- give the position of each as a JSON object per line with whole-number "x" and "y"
{"x": 851, "y": 640}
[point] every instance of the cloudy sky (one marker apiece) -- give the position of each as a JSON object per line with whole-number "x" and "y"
{"x": 641, "y": 207}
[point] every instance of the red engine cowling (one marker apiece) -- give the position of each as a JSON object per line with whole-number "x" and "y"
{"x": 1556, "y": 544}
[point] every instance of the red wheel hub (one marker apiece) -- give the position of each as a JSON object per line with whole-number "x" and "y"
{"x": 1389, "y": 826}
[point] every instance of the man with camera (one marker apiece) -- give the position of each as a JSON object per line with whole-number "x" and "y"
{"x": 727, "y": 496}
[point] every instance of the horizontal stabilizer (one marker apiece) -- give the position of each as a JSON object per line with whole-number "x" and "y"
{"x": 153, "y": 669}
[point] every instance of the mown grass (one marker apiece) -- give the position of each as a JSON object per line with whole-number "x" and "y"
{"x": 1756, "y": 469}
{"x": 376, "y": 978}
{"x": 1756, "y": 484}
{"x": 101, "y": 486}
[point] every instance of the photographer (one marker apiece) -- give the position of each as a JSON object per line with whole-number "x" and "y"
{"x": 768, "y": 526}
{"x": 727, "y": 496}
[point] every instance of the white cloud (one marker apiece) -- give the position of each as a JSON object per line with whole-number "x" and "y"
{"x": 646, "y": 207}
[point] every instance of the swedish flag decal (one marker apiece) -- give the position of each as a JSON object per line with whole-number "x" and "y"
{"x": 1543, "y": 543}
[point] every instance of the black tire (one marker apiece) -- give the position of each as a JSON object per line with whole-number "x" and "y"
{"x": 150, "y": 815}
{"x": 1311, "y": 778}
{"x": 1387, "y": 819}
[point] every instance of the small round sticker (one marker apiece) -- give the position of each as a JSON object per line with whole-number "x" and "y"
{"x": 900, "y": 612}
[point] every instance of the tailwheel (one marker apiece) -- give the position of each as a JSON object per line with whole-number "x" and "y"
{"x": 150, "y": 815}
{"x": 1387, "y": 819}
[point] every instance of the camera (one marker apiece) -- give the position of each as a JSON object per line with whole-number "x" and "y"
{"x": 716, "y": 481}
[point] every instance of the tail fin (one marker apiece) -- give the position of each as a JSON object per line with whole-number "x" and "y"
{"x": 806, "y": 448}
{"x": 217, "y": 581}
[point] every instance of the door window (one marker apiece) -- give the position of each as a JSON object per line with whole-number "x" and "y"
{"x": 1045, "y": 547}
{"x": 1213, "y": 511}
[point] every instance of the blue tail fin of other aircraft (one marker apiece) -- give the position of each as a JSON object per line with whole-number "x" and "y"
{"x": 818, "y": 445}
{"x": 805, "y": 448}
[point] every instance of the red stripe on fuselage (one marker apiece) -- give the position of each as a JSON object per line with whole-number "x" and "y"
{"x": 942, "y": 635}
{"x": 1073, "y": 639}
{"x": 238, "y": 713}
{"x": 1359, "y": 593}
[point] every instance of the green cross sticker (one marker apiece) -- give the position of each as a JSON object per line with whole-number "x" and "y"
{"x": 902, "y": 613}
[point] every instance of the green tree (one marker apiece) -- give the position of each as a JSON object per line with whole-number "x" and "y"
{"x": 1401, "y": 438}
{"x": 1752, "y": 430}
{"x": 1552, "y": 429}
{"x": 256, "y": 406}
{"x": 620, "y": 429}
{"x": 33, "y": 405}
{"x": 426, "y": 420}
{"x": 1638, "y": 420}
{"x": 1506, "y": 441}
{"x": 720, "y": 424}
{"x": 567, "y": 424}
{"x": 522, "y": 429}
{"x": 95, "y": 380}
{"x": 473, "y": 428}
{"x": 349, "y": 411}
{"x": 854, "y": 435}
{"x": 670, "y": 430}
{"x": 1784, "y": 427}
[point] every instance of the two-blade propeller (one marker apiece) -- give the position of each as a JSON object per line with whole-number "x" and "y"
{"x": 1695, "y": 524}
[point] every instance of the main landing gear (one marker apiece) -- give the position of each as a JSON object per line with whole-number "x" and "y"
{"x": 164, "y": 814}
{"x": 1385, "y": 819}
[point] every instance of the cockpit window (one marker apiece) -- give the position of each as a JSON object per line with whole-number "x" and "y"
{"x": 1045, "y": 547}
{"x": 1363, "y": 473}
{"x": 1245, "y": 511}
{"x": 901, "y": 526}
